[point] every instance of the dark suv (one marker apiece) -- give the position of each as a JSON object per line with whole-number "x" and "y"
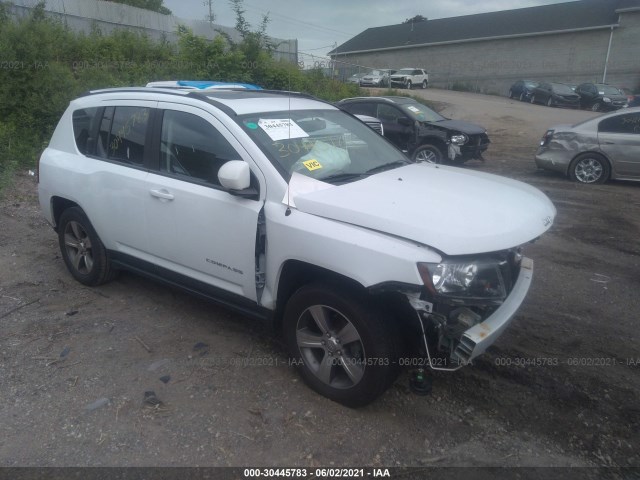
{"x": 423, "y": 134}
{"x": 600, "y": 97}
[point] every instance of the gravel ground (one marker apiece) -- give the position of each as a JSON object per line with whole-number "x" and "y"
{"x": 560, "y": 387}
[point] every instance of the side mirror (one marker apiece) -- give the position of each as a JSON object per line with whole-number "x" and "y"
{"x": 235, "y": 175}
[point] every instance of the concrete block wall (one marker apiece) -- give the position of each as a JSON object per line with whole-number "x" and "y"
{"x": 491, "y": 66}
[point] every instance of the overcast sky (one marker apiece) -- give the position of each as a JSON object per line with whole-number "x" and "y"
{"x": 321, "y": 25}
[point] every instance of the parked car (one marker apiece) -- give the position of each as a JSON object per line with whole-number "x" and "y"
{"x": 376, "y": 78}
{"x": 633, "y": 100}
{"x": 522, "y": 90}
{"x": 423, "y": 134}
{"x": 593, "y": 151}
{"x": 290, "y": 210}
{"x": 555, "y": 95}
{"x": 355, "y": 78}
{"x": 601, "y": 97}
{"x": 410, "y": 77}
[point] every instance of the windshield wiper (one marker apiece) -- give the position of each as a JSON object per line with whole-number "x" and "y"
{"x": 339, "y": 177}
{"x": 387, "y": 166}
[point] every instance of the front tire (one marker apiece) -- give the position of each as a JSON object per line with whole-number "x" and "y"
{"x": 589, "y": 168}
{"x": 596, "y": 107}
{"x": 511, "y": 93}
{"x": 409, "y": 85}
{"x": 341, "y": 344}
{"x": 81, "y": 248}
{"x": 424, "y": 84}
{"x": 549, "y": 102}
{"x": 429, "y": 154}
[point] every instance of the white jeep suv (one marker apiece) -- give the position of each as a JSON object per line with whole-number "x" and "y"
{"x": 409, "y": 77}
{"x": 286, "y": 208}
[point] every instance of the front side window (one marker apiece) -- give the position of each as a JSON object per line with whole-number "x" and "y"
{"x": 192, "y": 147}
{"x": 388, "y": 113}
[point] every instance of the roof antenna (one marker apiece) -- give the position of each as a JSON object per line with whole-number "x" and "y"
{"x": 287, "y": 212}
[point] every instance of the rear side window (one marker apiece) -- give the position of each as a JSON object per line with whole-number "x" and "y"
{"x": 83, "y": 126}
{"x": 122, "y": 134}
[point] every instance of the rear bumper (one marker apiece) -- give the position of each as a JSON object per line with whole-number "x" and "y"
{"x": 478, "y": 338}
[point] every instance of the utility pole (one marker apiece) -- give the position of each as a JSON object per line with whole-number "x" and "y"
{"x": 212, "y": 16}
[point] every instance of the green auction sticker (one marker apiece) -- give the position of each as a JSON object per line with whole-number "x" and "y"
{"x": 252, "y": 125}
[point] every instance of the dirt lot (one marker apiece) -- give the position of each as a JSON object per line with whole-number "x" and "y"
{"x": 560, "y": 388}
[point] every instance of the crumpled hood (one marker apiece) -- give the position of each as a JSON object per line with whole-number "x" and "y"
{"x": 461, "y": 126}
{"x": 455, "y": 211}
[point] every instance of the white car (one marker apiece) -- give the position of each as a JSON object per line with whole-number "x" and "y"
{"x": 376, "y": 78}
{"x": 409, "y": 78}
{"x": 286, "y": 208}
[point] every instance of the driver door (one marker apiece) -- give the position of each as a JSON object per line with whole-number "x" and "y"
{"x": 398, "y": 127}
{"x": 195, "y": 227}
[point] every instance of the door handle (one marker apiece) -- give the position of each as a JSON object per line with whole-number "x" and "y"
{"x": 164, "y": 194}
{"x": 608, "y": 143}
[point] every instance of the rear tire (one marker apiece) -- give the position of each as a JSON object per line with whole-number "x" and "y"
{"x": 589, "y": 168}
{"x": 511, "y": 93}
{"x": 81, "y": 248}
{"x": 533, "y": 99}
{"x": 342, "y": 345}
{"x": 424, "y": 84}
{"x": 549, "y": 102}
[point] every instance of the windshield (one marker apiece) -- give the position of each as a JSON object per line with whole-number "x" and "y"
{"x": 405, "y": 71}
{"x": 376, "y": 73}
{"x": 608, "y": 90}
{"x": 421, "y": 112}
{"x": 327, "y": 145}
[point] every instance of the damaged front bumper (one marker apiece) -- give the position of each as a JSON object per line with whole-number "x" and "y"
{"x": 480, "y": 333}
{"x": 478, "y": 338}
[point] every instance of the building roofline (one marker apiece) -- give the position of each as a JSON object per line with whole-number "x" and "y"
{"x": 480, "y": 39}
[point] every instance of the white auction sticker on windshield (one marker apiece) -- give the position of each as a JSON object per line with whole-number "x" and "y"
{"x": 281, "y": 128}
{"x": 414, "y": 109}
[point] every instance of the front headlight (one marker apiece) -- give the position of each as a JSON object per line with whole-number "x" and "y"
{"x": 464, "y": 280}
{"x": 459, "y": 139}
{"x": 606, "y": 99}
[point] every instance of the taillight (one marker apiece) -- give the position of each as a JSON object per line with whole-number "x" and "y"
{"x": 546, "y": 138}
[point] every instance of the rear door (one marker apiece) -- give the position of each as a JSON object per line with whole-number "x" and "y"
{"x": 619, "y": 139}
{"x": 115, "y": 180}
{"x": 195, "y": 227}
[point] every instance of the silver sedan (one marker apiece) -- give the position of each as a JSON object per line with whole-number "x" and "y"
{"x": 596, "y": 150}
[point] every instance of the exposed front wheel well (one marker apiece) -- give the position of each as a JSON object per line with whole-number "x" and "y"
{"x": 295, "y": 274}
